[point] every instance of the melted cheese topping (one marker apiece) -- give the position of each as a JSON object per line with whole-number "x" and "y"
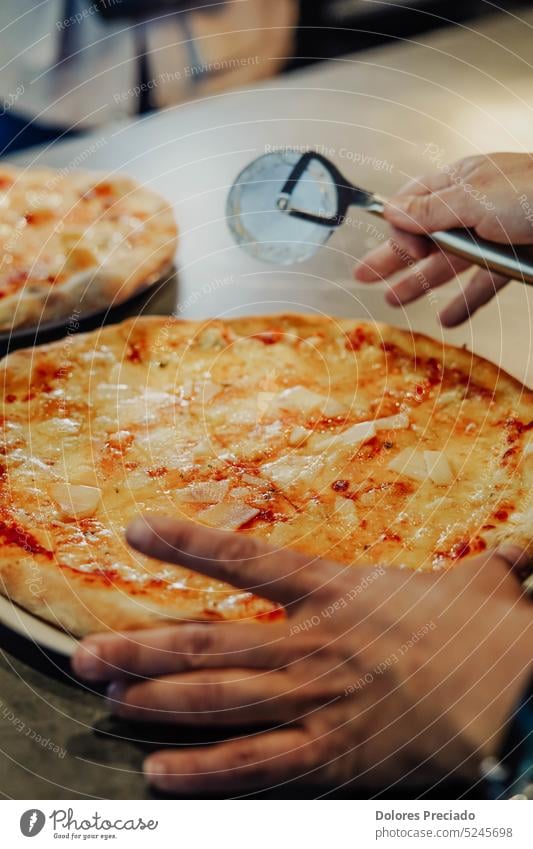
{"x": 366, "y": 450}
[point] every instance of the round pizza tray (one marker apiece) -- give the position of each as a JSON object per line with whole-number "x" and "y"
{"x": 36, "y": 630}
{"x": 159, "y": 296}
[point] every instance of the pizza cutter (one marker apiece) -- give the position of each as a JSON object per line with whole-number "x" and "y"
{"x": 285, "y": 205}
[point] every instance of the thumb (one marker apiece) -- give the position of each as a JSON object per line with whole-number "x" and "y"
{"x": 499, "y": 570}
{"x": 430, "y": 212}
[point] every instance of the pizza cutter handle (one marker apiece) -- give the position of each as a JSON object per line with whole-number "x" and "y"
{"x": 513, "y": 262}
{"x": 508, "y": 260}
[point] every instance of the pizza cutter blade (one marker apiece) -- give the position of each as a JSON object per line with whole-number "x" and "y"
{"x": 284, "y": 206}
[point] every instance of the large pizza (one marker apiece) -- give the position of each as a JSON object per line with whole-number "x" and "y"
{"x": 74, "y": 239}
{"x": 349, "y": 440}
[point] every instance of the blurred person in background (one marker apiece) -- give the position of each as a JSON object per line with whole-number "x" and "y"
{"x": 73, "y": 65}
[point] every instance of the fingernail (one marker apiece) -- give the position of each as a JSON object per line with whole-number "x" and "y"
{"x": 447, "y": 319}
{"x": 115, "y": 694}
{"x": 365, "y": 274}
{"x": 137, "y": 532}
{"x": 392, "y": 298}
{"x": 154, "y": 767}
{"x": 87, "y": 662}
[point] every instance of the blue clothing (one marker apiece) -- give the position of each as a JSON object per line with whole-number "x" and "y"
{"x": 17, "y": 133}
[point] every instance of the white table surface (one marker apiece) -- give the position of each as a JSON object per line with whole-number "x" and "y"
{"x": 467, "y": 90}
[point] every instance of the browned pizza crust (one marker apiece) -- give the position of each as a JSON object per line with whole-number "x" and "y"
{"x": 77, "y": 241}
{"x": 308, "y": 432}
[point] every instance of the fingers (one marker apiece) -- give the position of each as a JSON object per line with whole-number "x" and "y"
{"x": 400, "y": 250}
{"x": 263, "y": 760}
{"x": 422, "y": 185}
{"x": 436, "y": 269}
{"x": 427, "y": 213}
{"x": 434, "y": 182}
{"x": 429, "y": 274}
{"x": 478, "y": 291}
{"x": 496, "y": 571}
{"x": 517, "y": 558}
{"x": 177, "y": 648}
{"x": 225, "y": 697}
{"x": 283, "y": 576}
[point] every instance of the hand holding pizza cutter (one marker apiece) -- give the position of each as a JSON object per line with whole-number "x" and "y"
{"x": 284, "y": 206}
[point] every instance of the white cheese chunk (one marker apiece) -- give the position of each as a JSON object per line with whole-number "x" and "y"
{"x": 204, "y": 492}
{"x": 254, "y": 480}
{"x": 353, "y": 436}
{"x": 438, "y": 468}
{"x": 301, "y": 400}
{"x": 76, "y": 501}
{"x": 450, "y": 396}
{"x": 229, "y": 516}
{"x": 299, "y": 435}
{"x": 345, "y": 510}
{"x": 201, "y": 449}
{"x": 358, "y": 433}
{"x": 159, "y": 441}
{"x": 397, "y": 422}
{"x": 411, "y": 463}
{"x": 63, "y": 426}
{"x": 293, "y": 471}
{"x": 242, "y": 493}
{"x": 423, "y": 465}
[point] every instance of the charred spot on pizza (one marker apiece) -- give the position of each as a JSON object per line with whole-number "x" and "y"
{"x": 340, "y": 485}
{"x": 135, "y": 352}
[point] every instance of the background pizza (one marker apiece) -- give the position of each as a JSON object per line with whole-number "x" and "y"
{"x": 353, "y": 441}
{"x": 77, "y": 238}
